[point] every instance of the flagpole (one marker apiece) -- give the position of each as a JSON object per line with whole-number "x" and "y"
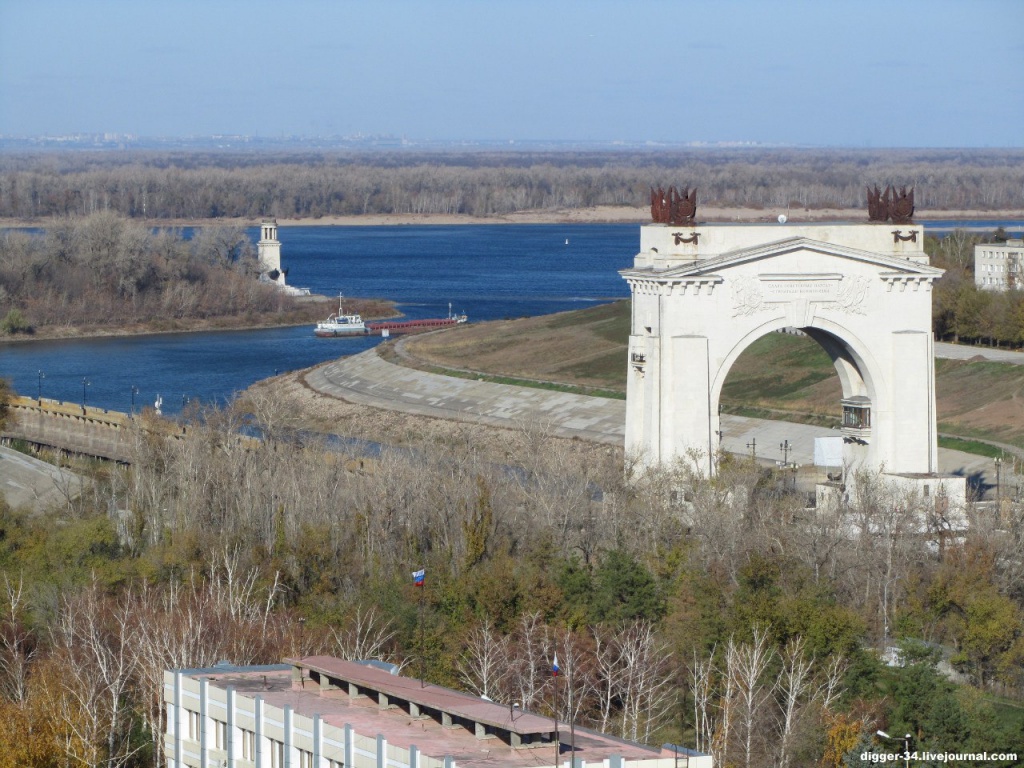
{"x": 422, "y": 643}
{"x": 558, "y": 744}
{"x": 572, "y": 721}
{"x": 418, "y": 579}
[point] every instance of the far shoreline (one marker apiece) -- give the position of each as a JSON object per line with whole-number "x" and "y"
{"x": 603, "y": 214}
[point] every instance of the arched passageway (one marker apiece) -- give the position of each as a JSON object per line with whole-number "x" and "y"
{"x": 703, "y": 296}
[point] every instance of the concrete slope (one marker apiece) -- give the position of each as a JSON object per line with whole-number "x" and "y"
{"x": 366, "y": 379}
{"x": 29, "y": 482}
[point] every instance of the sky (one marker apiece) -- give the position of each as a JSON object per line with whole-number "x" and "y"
{"x": 853, "y": 73}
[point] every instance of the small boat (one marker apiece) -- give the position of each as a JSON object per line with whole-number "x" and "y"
{"x": 340, "y": 324}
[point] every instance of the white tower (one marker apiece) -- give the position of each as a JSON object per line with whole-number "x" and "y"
{"x": 269, "y": 249}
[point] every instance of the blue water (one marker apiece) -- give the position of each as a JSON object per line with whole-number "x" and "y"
{"x": 489, "y": 272}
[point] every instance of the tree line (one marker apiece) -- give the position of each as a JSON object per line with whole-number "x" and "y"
{"x": 711, "y": 611}
{"x": 213, "y": 185}
{"x": 961, "y": 310}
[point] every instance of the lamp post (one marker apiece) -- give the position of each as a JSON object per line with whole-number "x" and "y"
{"x": 999, "y": 484}
{"x": 906, "y": 744}
{"x": 85, "y": 383}
{"x": 135, "y": 391}
{"x": 785, "y": 447}
{"x": 39, "y": 388}
{"x": 752, "y": 445}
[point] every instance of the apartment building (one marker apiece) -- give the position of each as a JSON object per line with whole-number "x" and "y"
{"x": 323, "y": 712}
{"x": 997, "y": 266}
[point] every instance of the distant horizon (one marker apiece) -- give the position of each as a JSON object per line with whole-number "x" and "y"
{"x": 391, "y": 142}
{"x": 792, "y": 73}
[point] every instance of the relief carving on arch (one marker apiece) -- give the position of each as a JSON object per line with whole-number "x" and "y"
{"x": 853, "y": 293}
{"x": 748, "y": 296}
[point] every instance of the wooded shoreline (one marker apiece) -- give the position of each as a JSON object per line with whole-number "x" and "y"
{"x": 602, "y": 214}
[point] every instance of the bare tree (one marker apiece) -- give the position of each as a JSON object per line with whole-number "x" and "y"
{"x": 94, "y": 637}
{"x": 18, "y": 646}
{"x": 366, "y": 636}
{"x": 530, "y": 660}
{"x": 795, "y": 688}
{"x": 483, "y": 665}
{"x": 747, "y": 665}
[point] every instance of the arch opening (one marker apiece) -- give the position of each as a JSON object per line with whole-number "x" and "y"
{"x": 811, "y": 375}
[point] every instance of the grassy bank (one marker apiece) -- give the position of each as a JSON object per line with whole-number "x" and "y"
{"x": 778, "y": 377}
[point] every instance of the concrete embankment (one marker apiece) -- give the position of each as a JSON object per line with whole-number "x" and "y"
{"x": 367, "y": 379}
{"x": 68, "y": 427}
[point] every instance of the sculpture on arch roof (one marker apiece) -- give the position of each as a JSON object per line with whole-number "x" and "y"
{"x": 891, "y": 205}
{"x": 673, "y": 207}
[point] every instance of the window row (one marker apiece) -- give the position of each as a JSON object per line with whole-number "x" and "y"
{"x": 247, "y": 741}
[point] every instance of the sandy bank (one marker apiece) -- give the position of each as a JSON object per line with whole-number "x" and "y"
{"x": 607, "y": 214}
{"x": 602, "y": 214}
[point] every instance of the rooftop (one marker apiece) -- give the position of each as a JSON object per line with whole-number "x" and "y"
{"x": 438, "y": 720}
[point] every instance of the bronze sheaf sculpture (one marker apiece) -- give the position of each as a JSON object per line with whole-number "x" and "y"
{"x": 673, "y": 208}
{"x": 891, "y": 205}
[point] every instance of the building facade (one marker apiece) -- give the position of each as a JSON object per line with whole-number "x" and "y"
{"x": 997, "y": 266}
{"x": 323, "y": 712}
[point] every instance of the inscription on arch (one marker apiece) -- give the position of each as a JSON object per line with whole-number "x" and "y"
{"x": 751, "y": 294}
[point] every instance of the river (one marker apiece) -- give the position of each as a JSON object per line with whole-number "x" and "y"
{"x": 488, "y": 271}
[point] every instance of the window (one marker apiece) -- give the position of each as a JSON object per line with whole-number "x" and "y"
{"x": 248, "y": 745}
{"x": 305, "y": 759}
{"x": 220, "y": 735}
{"x": 276, "y": 753}
{"x": 193, "y": 725}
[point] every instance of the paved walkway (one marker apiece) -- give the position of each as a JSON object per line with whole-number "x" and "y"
{"x": 367, "y": 379}
{"x": 964, "y": 352}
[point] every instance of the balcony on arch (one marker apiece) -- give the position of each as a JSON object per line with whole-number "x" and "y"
{"x": 856, "y": 417}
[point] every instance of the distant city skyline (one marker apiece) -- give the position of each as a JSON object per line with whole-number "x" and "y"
{"x": 916, "y": 73}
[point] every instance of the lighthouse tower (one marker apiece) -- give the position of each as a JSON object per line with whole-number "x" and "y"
{"x": 269, "y": 249}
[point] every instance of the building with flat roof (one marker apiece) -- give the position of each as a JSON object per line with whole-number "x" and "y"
{"x": 323, "y": 712}
{"x": 997, "y": 266}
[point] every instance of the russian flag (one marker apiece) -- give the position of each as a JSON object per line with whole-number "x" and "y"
{"x": 418, "y": 577}
{"x": 554, "y": 667}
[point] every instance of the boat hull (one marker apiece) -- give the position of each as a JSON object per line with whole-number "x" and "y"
{"x": 330, "y": 333}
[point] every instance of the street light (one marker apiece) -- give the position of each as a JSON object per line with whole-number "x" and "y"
{"x": 999, "y": 485}
{"x": 39, "y": 390}
{"x": 785, "y": 447}
{"x": 906, "y": 744}
{"x": 135, "y": 391}
{"x": 85, "y": 383}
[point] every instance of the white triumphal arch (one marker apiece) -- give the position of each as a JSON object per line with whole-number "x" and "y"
{"x": 703, "y": 293}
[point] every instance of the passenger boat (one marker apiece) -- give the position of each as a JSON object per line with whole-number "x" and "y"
{"x": 340, "y": 324}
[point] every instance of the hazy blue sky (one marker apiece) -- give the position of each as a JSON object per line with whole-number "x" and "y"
{"x": 825, "y": 72}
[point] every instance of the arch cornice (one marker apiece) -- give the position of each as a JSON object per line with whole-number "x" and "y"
{"x": 894, "y": 268}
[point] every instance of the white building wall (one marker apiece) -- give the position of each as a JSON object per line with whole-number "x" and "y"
{"x": 998, "y": 266}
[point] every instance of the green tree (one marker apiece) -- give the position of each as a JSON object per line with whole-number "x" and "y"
{"x": 625, "y": 590}
{"x": 15, "y": 322}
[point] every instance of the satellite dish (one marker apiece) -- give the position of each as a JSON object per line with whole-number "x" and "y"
{"x": 782, "y": 218}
